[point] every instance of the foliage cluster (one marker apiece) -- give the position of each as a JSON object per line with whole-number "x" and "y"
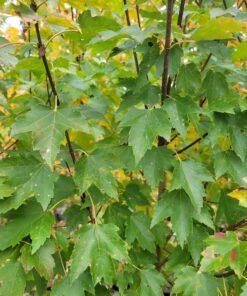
{"x": 123, "y": 159}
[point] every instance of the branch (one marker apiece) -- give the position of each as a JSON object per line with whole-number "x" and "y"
{"x": 161, "y": 263}
{"x": 8, "y": 147}
{"x": 42, "y": 54}
{"x": 206, "y": 62}
{"x": 41, "y": 48}
{"x": 199, "y": 3}
{"x": 71, "y": 151}
{"x": 164, "y": 89}
{"x": 191, "y": 144}
{"x": 224, "y": 274}
{"x": 129, "y": 24}
{"x": 181, "y": 12}
{"x": 237, "y": 225}
{"x": 138, "y": 16}
{"x": 224, "y": 3}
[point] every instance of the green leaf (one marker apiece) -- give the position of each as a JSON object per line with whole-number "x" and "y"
{"x": 176, "y": 205}
{"x": 64, "y": 286}
{"x": 41, "y": 230}
{"x": 196, "y": 242}
{"x": 189, "y": 78}
{"x": 12, "y": 278}
{"x": 32, "y": 177}
{"x": 97, "y": 169}
{"x": 244, "y": 290}
{"x": 181, "y": 217}
{"x": 91, "y": 26}
{"x": 48, "y": 127}
{"x": 151, "y": 283}
{"x": 138, "y": 228}
{"x": 21, "y": 225}
{"x": 191, "y": 282}
{"x": 175, "y": 55}
{"x": 146, "y": 125}
{"x": 163, "y": 209}
{"x": 42, "y": 260}
{"x": 215, "y": 85}
{"x": 98, "y": 247}
{"x": 190, "y": 175}
{"x": 237, "y": 126}
{"x": 224, "y": 250}
{"x": 154, "y": 163}
{"x": 228, "y": 162}
{"x": 5, "y": 189}
{"x": 175, "y": 116}
{"x": 33, "y": 64}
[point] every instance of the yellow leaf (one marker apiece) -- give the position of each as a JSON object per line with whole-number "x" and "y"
{"x": 12, "y": 34}
{"x": 60, "y": 21}
{"x": 240, "y": 195}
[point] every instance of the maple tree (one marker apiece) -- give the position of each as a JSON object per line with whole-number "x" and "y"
{"x": 123, "y": 147}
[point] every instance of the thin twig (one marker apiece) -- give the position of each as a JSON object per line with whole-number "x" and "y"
{"x": 67, "y": 165}
{"x": 138, "y": 16}
{"x": 59, "y": 33}
{"x": 190, "y": 145}
{"x": 164, "y": 90}
{"x": 42, "y": 3}
{"x": 11, "y": 43}
{"x": 92, "y": 211}
{"x": 129, "y": 24}
{"x": 224, "y": 3}
{"x": 71, "y": 150}
{"x": 42, "y": 54}
{"x": 8, "y": 147}
{"x": 237, "y": 225}
{"x": 224, "y": 274}
{"x": 206, "y": 62}
{"x": 181, "y": 12}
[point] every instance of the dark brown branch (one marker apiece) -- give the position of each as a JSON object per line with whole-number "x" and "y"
{"x": 206, "y": 62}
{"x": 237, "y": 225}
{"x": 202, "y": 101}
{"x": 224, "y": 274}
{"x": 71, "y": 151}
{"x": 8, "y": 147}
{"x": 41, "y": 48}
{"x": 127, "y": 13}
{"x": 48, "y": 91}
{"x": 44, "y": 2}
{"x": 42, "y": 54}
{"x": 190, "y": 145}
{"x": 173, "y": 138}
{"x": 199, "y": 2}
{"x": 29, "y": 53}
{"x": 224, "y": 3}
{"x": 138, "y": 16}
{"x": 161, "y": 263}
{"x": 181, "y": 13}
{"x": 129, "y": 24}
{"x": 68, "y": 168}
{"x": 164, "y": 88}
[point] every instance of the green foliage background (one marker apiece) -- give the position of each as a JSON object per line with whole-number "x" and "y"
{"x": 123, "y": 159}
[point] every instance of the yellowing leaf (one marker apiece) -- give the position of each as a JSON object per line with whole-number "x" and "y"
{"x": 12, "y": 34}
{"x": 240, "y": 52}
{"x": 217, "y": 29}
{"x": 59, "y": 21}
{"x": 240, "y": 195}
